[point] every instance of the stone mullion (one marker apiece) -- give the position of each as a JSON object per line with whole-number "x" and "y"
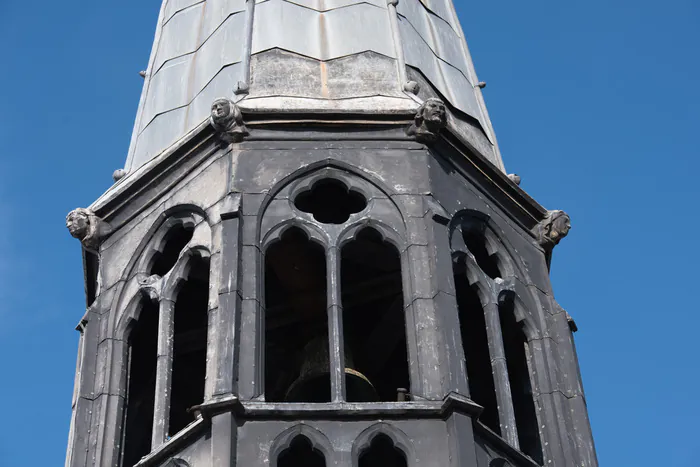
{"x": 504, "y": 398}
{"x": 335, "y": 326}
{"x": 225, "y": 320}
{"x": 164, "y": 371}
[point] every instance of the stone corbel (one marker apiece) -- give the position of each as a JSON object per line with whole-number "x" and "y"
{"x": 151, "y": 286}
{"x": 84, "y": 225}
{"x": 430, "y": 118}
{"x": 551, "y": 230}
{"x": 227, "y": 120}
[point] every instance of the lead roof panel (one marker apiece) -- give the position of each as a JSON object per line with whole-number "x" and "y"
{"x": 343, "y": 54}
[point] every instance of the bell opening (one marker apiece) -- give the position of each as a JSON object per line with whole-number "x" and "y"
{"x": 295, "y": 313}
{"x": 374, "y": 321}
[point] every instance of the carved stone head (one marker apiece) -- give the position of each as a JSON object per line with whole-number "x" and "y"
{"x": 227, "y": 119}
{"x": 78, "y": 223}
{"x": 433, "y": 113}
{"x": 84, "y": 225}
{"x": 223, "y": 114}
{"x": 561, "y": 224}
{"x": 429, "y": 120}
{"x": 553, "y": 228}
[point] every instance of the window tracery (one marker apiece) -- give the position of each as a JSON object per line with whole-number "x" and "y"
{"x": 355, "y": 288}
{"x": 495, "y": 345}
{"x": 167, "y": 334}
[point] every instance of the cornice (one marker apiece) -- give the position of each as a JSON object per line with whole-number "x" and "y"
{"x": 202, "y": 142}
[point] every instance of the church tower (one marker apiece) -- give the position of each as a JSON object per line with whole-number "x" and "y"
{"x": 314, "y": 256}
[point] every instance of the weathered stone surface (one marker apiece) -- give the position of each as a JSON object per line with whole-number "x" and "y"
{"x": 417, "y": 199}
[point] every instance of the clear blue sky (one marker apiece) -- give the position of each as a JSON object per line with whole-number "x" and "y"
{"x": 595, "y": 105}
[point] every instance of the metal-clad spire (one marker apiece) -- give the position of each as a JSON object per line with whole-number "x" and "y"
{"x": 340, "y": 56}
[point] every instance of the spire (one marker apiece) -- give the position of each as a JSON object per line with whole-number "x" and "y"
{"x": 345, "y": 57}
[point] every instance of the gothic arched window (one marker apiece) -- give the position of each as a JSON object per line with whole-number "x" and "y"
{"x": 382, "y": 453}
{"x": 189, "y": 345}
{"x": 168, "y": 342}
{"x": 374, "y": 324}
{"x": 495, "y": 346}
{"x": 517, "y": 354}
{"x": 301, "y": 453}
{"x": 296, "y": 320}
{"x": 475, "y": 343}
{"x": 141, "y": 385}
{"x": 334, "y": 302}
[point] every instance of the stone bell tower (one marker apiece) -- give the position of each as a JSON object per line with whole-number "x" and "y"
{"x": 314, "y": 256}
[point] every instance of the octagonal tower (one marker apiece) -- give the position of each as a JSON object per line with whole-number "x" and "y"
{"x": 314, "y": 256}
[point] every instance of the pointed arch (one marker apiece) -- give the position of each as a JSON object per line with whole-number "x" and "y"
{"x": 140, "y": 356}
{"x": 296, "y": 318}
{"x": 518, "y": 356}
{"x": 304, "y": 178}
{"x": 373, "y": 314}
{"x": 474, "y": 233}
{"x": 398, "y": 438}
{"x": 318, "y": 441}
{"x": 141, "y": 288}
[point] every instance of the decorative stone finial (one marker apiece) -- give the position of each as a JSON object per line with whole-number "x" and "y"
{"x": 515, "y": 178}
{"x": 429, "y": 120}
{"x": 84, "y": 225}
{"x": 411, "y": 86}
{"x": 227, "y": 120}
{"x": 118, "y": 174}
{"x": 552, "y": 229}
{"x": 571, "y": 322}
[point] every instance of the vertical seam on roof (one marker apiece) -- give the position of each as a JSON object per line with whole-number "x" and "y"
{"x": 193, "y": 65}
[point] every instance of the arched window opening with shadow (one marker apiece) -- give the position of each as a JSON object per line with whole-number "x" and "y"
{"x": 175, "y": 240}
{"x": 190, "y": 344}
{"x": 141, "y": 386}
{"x": 475, "y": 344}
{"x": 517, "y": 360}
{"x": 374, "y": 324}
{"x": 382, "y": 453}
{"x": 297, "y": 360}
{"x": 330, "y": 201}
{"x": 474, "y": 238}
{"x": 301, "y": 453}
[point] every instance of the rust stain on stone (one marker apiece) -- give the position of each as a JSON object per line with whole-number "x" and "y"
{"x": 324, "y": 55}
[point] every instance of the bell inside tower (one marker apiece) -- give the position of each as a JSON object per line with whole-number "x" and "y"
{"x": 374, "y": 324}
{"x": 296, "y": 321}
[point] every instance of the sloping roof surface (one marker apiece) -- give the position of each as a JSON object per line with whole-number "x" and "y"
{"x": 305, "y": 55}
